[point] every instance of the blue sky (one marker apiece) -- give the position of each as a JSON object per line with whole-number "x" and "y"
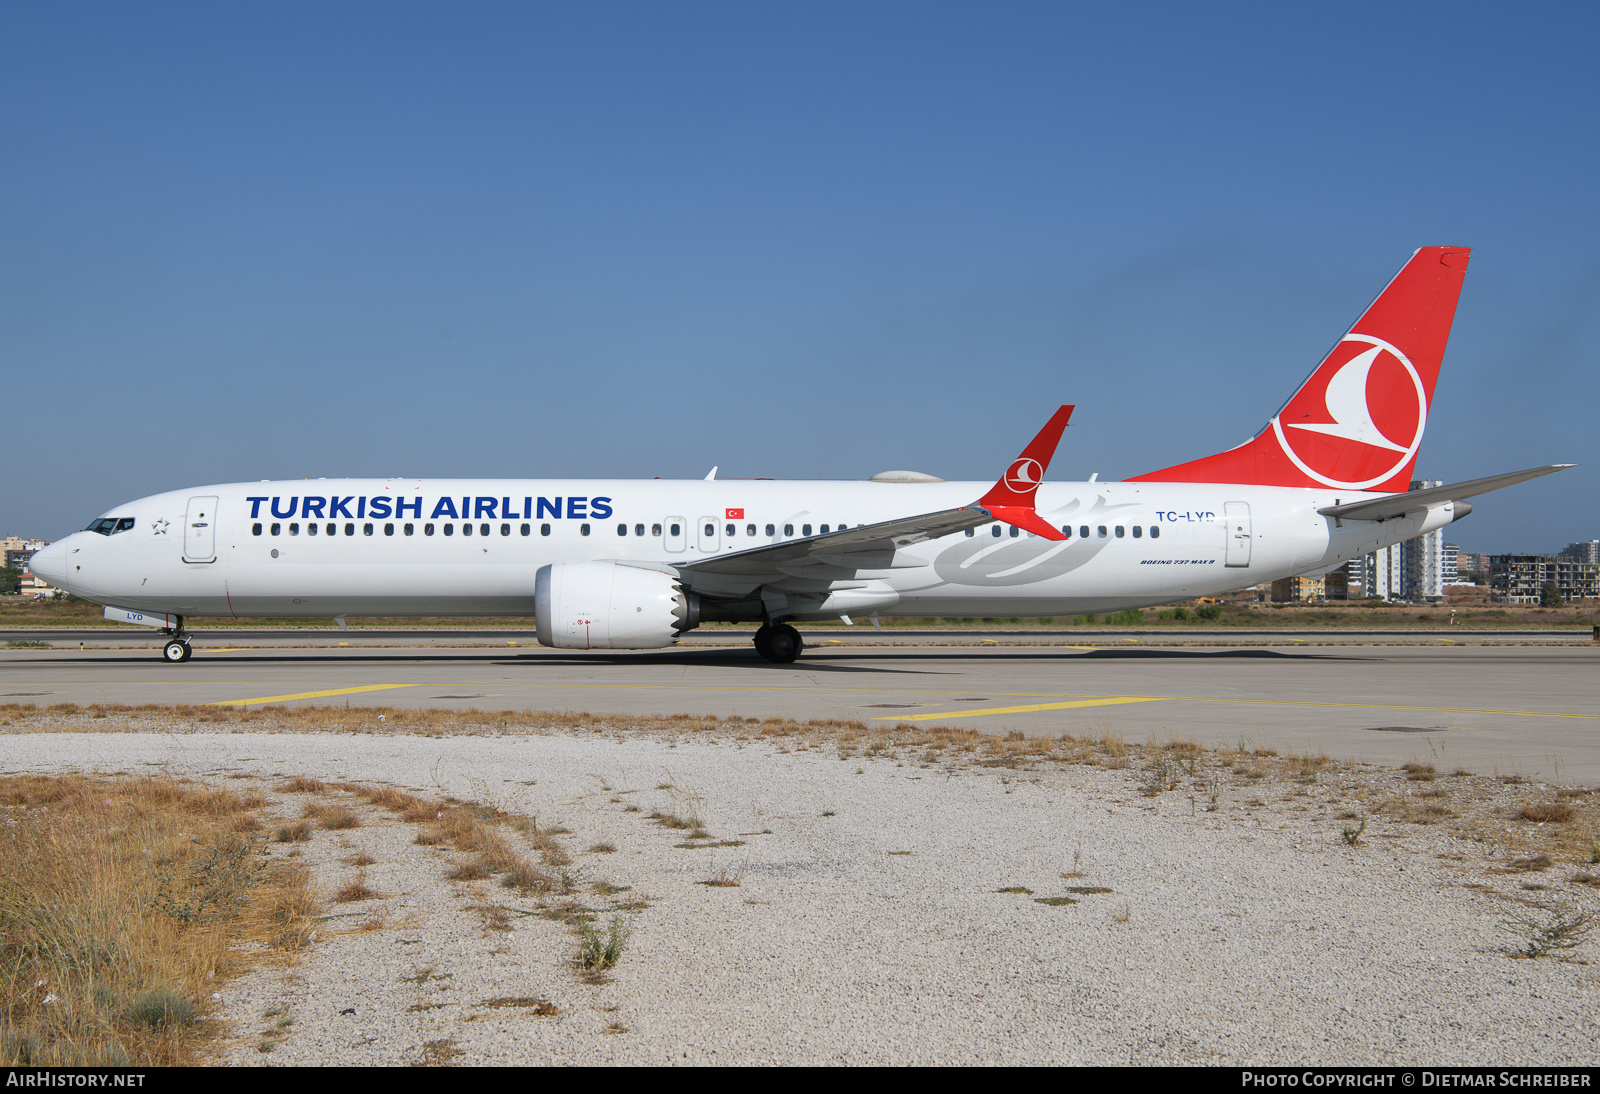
{"x": 822, "y": 240}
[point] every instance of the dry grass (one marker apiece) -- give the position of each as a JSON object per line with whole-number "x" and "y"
{"x": 1482, "y": 808}
{"x": 121, "y": 903}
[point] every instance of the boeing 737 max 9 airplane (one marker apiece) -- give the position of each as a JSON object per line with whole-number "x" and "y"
{"x": 621, "y": 564}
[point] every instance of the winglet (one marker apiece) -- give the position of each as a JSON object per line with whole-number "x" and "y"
{"x": 1011, "y": 499}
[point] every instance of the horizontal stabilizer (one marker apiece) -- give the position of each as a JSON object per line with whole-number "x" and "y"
{"x": 1397, "y": 505}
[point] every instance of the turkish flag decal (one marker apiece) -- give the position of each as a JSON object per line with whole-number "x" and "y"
{"x": 735, "y": 514}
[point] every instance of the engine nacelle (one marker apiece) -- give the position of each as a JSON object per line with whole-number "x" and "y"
{"x": 607, "y": 606}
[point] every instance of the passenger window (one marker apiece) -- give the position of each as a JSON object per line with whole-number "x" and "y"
{"x": 411, "y": 529}
{"x": 294, "y": 528}
{"x": 788, "y": 529}
{"x": 772, "y": 529}
{"x": 350, "y": 529}
{"x": 483, "y": 529}
{"x": 332, "y": 529}
{"x": 994, "y": 530}
{"x": 805, "y": 529}
{"x": 622, "y": 529}
{"x": 276, "y": 528}
{"x": 1137, "y": 531}
{"x": 1102, "y": 530}
{"x": 388, "y": 529}
{"x": 311, "y": 529}
{"x": 544, "y": 529}
{"x": 1066, "y": 530}
{"x": 526, "y": 528}
{"x": 427, "y": 529}
{"x": 711, "y": 529}
{"x": 1083, "y": 531}
{"x": 466, "y": 529}
{"x": 733, "y": 529}
{"x": 1155, "y": 531}
{"x": 1015, "y": 531}
{"x": 505, "y": 529}
{"x": 449, "y": 529}
{"x": 638, "y": 530}
{"x": 255, "y": 529}
{"x": 749, "y": 529}
{"x": 1120, "y": 531}
{"x": 366, "y": 529}
{"x": 971, "y": 532}
{"x": 824, "y": 529}
{"x": 674, "y": 530}
{"x": 583, "y": 529}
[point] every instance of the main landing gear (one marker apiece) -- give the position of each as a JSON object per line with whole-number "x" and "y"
{"x": 779, "y": 644}
{"x": 177, "y": 649}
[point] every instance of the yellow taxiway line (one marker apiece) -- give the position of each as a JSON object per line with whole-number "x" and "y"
{"x": 306, "y": 695}
{"x": 1113, "y": 700}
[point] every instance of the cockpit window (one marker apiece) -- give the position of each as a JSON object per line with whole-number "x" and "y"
{"x": 110, "y": 526}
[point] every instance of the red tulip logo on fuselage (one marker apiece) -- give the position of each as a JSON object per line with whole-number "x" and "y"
{"x": 1024, "y": 476}
{"x": 1378, "y": 407}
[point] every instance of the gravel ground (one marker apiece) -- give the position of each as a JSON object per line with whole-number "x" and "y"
{"x": 869, "y": 923}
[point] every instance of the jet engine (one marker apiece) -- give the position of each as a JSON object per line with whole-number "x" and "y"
{"x": 610, "y": 606}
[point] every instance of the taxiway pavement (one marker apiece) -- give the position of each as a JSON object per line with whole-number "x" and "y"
{"x": 1528, "y": 709}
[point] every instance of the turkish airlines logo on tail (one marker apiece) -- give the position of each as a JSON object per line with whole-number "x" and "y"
{"x": 1378, "y": 407}
{"x": 1025, "y": 475}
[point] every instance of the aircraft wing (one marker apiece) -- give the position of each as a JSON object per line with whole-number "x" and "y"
{"x": 865, "y": 547}
{"x": 872, "y": 546}
{"x": 1398, "y": 505}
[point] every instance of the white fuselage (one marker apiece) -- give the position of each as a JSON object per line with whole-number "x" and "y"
{"x": 402, "y": 547}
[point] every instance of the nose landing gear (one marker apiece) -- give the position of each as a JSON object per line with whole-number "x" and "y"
{"x": 177, "y": 649}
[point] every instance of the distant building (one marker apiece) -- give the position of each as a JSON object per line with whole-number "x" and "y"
{"x": 1582, "y": 552}
{"x": 1295, "y": 590}
{"x": 35, "y": 586}
{"x": 1417, "y": 569}
{"x": 18, "y": 551}
{"x": 1379, "y": 574}
{"x": 1520, "y": 579}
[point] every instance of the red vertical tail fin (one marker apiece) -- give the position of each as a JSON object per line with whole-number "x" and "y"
{"x": 1357, "y": 422}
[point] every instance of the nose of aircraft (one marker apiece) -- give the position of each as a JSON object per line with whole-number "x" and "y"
{"x": 50, "y": 563}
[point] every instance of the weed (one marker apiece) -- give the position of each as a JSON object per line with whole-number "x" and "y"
{"x": 1542, "y": 812}
{"x": 1015, "y": 889}
{"x": 602, "y": 848}
{"x": 1352, "y": 836}
{"x": 1560, "y": 927}
{"x": 536, "y": 1004}
{"x": 355, "y": 890}
{"x": 1123, "y": 914}
{"x": 1054, "y": 901}
{"x": 598, "y": 954}
{"x": 726, "y": 877}
{"x": 161, "y": 1008}
{"x": 292, "y": 833}
{"x": 441, "y": 1053}
{"x": 1077, "y": 863}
